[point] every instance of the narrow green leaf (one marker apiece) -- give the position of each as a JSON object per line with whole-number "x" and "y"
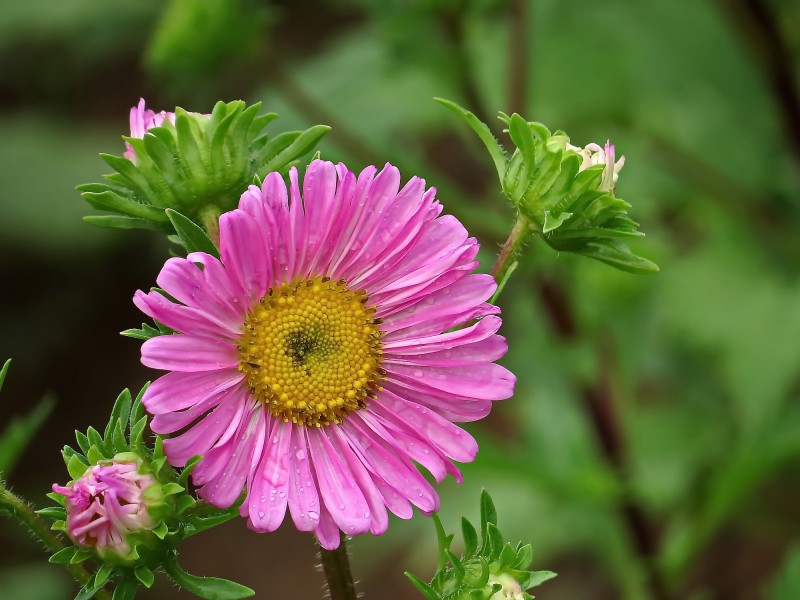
{"x": 303, "y": 144}
{"x": 192, "y": 236}
{"x": 484, "y": 133}
{"x": 537, "y": 578}
{"x": 120, "y": 222}
{"x": 551, "y": 222}
{"x": 21, "y": 431}
{"x": 126, "y": 589}
{"x": 119, "y": 412}
{"x": 488, "y": 513}
{"x": 3, "y": 372}
{"x": 210, "y": 588}
{"x": 423, "y": 588}
{"x": 470, "y": 537}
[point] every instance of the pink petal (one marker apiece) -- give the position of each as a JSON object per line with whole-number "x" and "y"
{"x": 303, "y": 496}
{"x": 243, "y": 252}
{"x": 268, "y": 486}
{"x": 176, "y": 390}
{"x": 341, "y": 495}
{"x": 188, "y": 353}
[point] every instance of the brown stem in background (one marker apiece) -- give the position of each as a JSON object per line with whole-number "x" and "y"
{"x": 348, "y": 141}
{"x": 454, "y": 26}
{"x": 599, "y": 401}
{"x": 518, "y": 48}
{"x": 756, "y": 23}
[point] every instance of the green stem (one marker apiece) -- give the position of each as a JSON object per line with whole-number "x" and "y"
{"x": 16, "y": 507}
{"x": 507, "y": 261}
{"x": 336, "y": 565}
{"x": 209, "y": 217}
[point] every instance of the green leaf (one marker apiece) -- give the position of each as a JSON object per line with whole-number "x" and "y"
{"x": 192, "y": 236}
{"x": 536, "y": 578}
{"x": 470, "y": 537}
{"x": 484, "y": 133}
{"x": 21, "y": 431}
{"x": 3, "y": 372}
{"x": 122, "y": 222}
{"x": 120, "y": 412}
{"x": 126, "y": 589}
{"x": 210, "y": 588}
{"x": 423, "y": 588}
{"x": 488, "y": 513}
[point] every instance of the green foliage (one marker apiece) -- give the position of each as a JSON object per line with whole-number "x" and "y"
{"x": 21, "y": 431}
{"x": 197, "y": 39}
{"x": 487, "y": 567}
{"x": 175, "y": 513}
{"x": 573, "y": 210}
{"x": 200, "y": 163}
{"x": 786, "y": 585}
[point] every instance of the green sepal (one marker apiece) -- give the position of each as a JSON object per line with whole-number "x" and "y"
{"x": 63, "y": 556}
{"x": 53, "y": 512}
{"x": 76, "y": 466}
{"x": 195, "y": 164}
{"x": 57, "y": 498}
{"x": 210, "y": 588}
{"x": 80, "y": 556}
{"x": 144, "y": 575}
{"x": 83, "y": 441}
{"x": 573, "y": 210}
{"x": 536, "y": 578}
{"x": 184, "y": 503}
{"x": 193, "y": 238}
{"x": 183, "y": 478}
{"x": 161, "y": 531}
{"x": 97, "y": 440}
{"x": 126, "y": 589}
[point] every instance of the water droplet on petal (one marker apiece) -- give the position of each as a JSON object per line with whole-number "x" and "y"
{"x": 313, "y": 515}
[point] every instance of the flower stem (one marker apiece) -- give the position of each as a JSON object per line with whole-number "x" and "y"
{"x": 507, "y": 261}
{"x": 209, "y": 217}
{"x": 336, "y": 565}
{"x": 16, "y": 507}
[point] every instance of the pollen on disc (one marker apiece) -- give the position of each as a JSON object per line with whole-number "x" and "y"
{"x": 311, "y": 350}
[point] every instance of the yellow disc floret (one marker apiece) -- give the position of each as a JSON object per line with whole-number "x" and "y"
{"x": 312, "y": 352}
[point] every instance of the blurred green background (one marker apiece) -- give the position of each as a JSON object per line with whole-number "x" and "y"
{"x": 652, "y": 450}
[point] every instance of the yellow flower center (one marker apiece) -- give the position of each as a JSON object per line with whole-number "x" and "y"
{"x": 312, "y": 351}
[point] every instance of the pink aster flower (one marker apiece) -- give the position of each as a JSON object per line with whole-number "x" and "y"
{"x": 106, "y": 504}
{"x": 142, "y": 120}
{"x": 334, "y": 344}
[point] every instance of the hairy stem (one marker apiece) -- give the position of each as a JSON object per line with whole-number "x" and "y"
{"x": 210, "y": 222}
{"x": 18, "y": 508}
{"x": 336, "y": 566}
{"x": 507, "y": 261}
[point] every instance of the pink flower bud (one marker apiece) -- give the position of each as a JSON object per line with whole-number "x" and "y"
{"x": 105, "y": 504}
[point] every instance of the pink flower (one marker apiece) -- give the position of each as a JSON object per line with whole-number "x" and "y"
{"x": 106, "y": 504}
{"x": 320, "y": 356}
{"x": 142, "y": 120}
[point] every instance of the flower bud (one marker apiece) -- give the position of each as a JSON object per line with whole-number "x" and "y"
{"x": 113, "y": 507}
